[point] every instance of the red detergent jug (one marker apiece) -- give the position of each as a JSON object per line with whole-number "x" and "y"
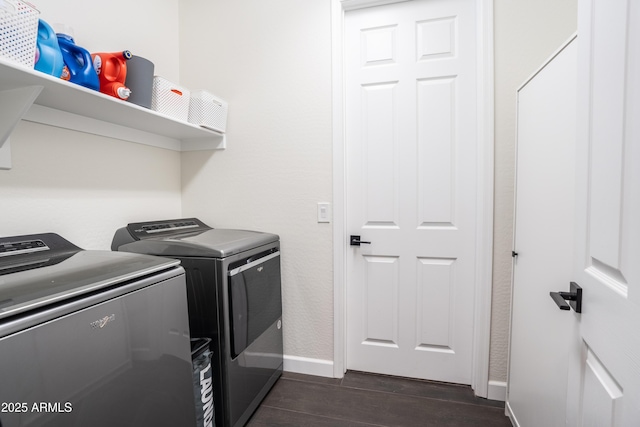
{"x": 112, "y": 72}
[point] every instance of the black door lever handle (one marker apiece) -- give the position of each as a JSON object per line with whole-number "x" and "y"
{"x": 574, "y": 297}
{"x": 355, "y": 241}
{"x": 560, "y": 300}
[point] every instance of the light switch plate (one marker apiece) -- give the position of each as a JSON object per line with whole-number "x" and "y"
{"x": 324, "y": 212}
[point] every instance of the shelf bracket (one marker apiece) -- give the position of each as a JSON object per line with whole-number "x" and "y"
{"x": 14, "y": 104}
{"x": 216, "y": 142}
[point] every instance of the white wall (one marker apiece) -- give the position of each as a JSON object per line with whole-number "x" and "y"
{"x": 272, "y": 62}
{"x": 84, "y": 186}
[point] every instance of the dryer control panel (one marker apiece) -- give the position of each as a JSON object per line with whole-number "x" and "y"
{"x": 152, "y": 229}
{"x": 166, "y": 227}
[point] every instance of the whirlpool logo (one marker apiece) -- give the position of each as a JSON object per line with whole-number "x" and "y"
{"x": 101, "y": 323}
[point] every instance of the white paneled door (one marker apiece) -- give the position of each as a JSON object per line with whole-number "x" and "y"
{"x": 411, "y": 138}
{"x": 604, "y": 383}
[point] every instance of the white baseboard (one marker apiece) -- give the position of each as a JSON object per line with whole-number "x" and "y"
{"x": 308, "y": 366}
{"x": 497, "y": 390}
{"x": 511, "y": 416}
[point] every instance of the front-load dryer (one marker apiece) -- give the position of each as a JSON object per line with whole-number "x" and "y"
{"x": 234, "y": 297}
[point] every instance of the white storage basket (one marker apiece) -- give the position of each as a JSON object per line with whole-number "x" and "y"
{"x": 170, "y": 99}
{"x": 18, "y": 32}
{"x": 208, "y": 111}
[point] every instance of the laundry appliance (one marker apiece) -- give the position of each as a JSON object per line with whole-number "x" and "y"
{"x": 92, "y": 338}
{"x": 234, "y": 295}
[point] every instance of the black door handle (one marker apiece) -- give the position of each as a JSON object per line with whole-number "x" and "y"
{"x": 574, "y": 297}
{"x": 355, "y": 241}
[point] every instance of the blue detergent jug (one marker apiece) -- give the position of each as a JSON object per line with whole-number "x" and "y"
{"x": 78, "y": 61}
{"x": 48, "y": 55}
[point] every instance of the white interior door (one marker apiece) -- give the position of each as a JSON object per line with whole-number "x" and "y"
{"x": 604, "y": 388}
{"x": 411, "y": 188}
{"x": 543, "y": 240}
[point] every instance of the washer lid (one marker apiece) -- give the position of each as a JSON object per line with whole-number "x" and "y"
{"x": 214, "y": 243}
{"x": 55, "y": 270}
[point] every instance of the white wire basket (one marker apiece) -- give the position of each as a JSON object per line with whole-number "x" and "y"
{"x": 208, "y": 111}
{"x": 170, "y": 99}
{"x": 18, "y": 32}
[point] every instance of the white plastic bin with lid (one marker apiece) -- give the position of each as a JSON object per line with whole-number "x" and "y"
{"x": 170, "y": 99}
{"x": 208, "y": 110}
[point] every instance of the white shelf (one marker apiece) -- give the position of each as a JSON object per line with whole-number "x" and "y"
{"x": 64, "y": 104}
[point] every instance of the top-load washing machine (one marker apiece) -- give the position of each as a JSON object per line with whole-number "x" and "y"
{"x": 92, "y": 338}
{"x": 234, "y": 297}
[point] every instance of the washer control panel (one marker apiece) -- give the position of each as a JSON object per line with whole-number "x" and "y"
{"x": 23, "y": 247}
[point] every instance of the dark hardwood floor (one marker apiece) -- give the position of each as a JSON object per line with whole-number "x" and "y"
{"x": 360, "y": 400}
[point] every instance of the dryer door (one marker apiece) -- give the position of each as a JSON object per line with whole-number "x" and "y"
{"x": 255, "y": 298}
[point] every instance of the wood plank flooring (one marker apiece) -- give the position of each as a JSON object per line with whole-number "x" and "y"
{"x": 361, "y": 400}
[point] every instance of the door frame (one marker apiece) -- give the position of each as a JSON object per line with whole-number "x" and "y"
{"x": 484, "y": 197}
